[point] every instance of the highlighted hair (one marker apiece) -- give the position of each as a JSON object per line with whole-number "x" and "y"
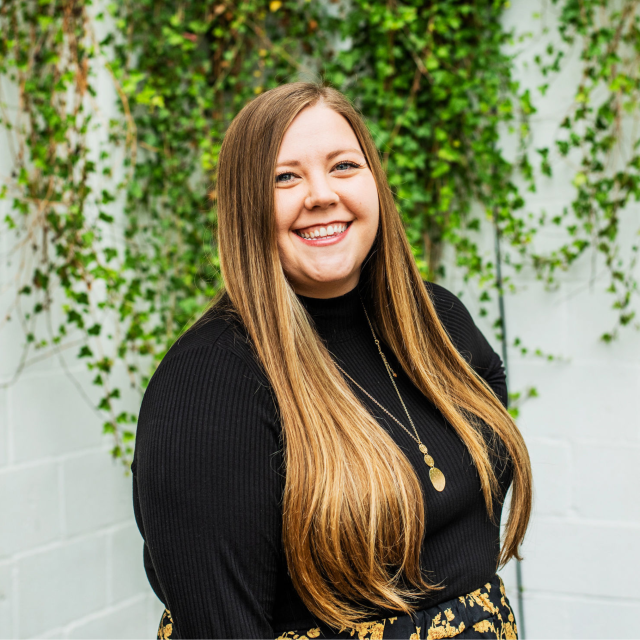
{"x": 353, "y": 512}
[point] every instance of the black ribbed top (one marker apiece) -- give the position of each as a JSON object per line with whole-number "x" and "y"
{"x": 208, "y": 480}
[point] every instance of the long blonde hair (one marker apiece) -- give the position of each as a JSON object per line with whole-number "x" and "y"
{"x": 353, "y": 510}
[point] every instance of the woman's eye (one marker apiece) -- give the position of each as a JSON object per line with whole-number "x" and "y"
{"x": 288, "y": 176}
{"x": 284, "y": 177}
{"x": 346, "y": 165}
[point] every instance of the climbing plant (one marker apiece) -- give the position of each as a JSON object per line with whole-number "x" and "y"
{"x": 68, "y": 269}
{"x": 112, "y": 200}
{"x": 435, "y": 85}
{"x": 599, "y": 140}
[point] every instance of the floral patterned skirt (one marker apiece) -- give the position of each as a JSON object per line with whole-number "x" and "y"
{"x": 484, "y": 613}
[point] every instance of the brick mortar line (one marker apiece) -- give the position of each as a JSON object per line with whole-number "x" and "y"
{"x": 10, "y": 443}
{"x": 572, "y": 444}
{"x": 65, "y": 630}
{"x": 56, "y": 372}
{"x": 112, "y": 608}
{"x": 580, "y": 597}
{"x": 65, "y": 457}
{"x": 15, "y": 602}
{"x": 575, "y": 362}
{"x": 57, "y": 544}
{"x": 601, "y": 524}
{"x": 62, "y": 501}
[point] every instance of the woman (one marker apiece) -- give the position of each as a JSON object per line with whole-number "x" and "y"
{"x": 326, "y": 453}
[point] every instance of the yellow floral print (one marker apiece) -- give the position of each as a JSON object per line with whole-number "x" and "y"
{"x": 483, "y": 626}
{"x": 166, "y": 626}
{"x": 312, "y": 633}
{"x": 487, "y": 613}
{"x": 369, "y": 630}
{"x": 442, "y": 628}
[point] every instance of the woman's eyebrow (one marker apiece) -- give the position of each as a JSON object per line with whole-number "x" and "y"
{"x": 332, "y": 154}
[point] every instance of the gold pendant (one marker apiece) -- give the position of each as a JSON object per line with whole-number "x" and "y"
{"x": 435, "y": 475}
{"x": 437, "y": 478}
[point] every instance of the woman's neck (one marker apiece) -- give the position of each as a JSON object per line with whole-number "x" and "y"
{"x": 336, "y": 318}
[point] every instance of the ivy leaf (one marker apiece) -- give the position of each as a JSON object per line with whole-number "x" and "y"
{"x": 85, "y": 352}
{"x": 94, "y": 330}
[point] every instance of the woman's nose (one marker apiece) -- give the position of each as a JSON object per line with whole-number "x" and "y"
{"x": 320, "y": 193}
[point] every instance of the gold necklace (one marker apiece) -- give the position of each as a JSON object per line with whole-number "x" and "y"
{"x": 435, "y": 475}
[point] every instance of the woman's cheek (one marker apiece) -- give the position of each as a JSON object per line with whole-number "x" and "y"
{"x": 363, "y": 198}
{"x": 284, "y": 216}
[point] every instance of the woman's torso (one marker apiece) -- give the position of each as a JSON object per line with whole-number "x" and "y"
{"x": 461, "y": 542}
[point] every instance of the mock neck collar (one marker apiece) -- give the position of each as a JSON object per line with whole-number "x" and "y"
{"x": 337, "y": 319}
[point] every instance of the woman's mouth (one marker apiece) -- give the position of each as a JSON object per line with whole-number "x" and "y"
{"x": 323, "y": 234}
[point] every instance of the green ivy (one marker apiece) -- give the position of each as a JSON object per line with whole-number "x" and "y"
{"x": 115, "y": 219}
{"x": 434, "y": 84}
{"x": 600, "y": 137}
{"x": 58, "y": 200}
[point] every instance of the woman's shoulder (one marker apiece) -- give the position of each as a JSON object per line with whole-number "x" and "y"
{"x": 450, "y": 309}
{"x": 209, "y": 378}
{"x": 206, "y": 404}
{"x": 211, "y": 365}
{"x": 459, "y": 325}
{"x": 216, "y": 337}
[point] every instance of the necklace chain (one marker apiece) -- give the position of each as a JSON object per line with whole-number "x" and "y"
{"x": 436, "y": 476}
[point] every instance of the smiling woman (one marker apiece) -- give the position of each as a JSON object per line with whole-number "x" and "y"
{"x": 326, "y": 204}
{"x": 285, "y": 478}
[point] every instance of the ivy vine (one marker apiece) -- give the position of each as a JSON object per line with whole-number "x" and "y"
{"x": 113, "y": 214}
{"x": 600, "y": 141}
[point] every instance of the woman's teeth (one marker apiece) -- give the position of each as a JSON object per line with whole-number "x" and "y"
{"x": 323, "y": 232}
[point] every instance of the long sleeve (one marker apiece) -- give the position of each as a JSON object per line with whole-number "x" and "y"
{"x": 469, "y": 340}
{"x": 209, "y": 478}
{"x": 208, "y": 488}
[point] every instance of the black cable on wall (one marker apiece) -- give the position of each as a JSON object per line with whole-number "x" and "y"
{"x": 503, "y": 326}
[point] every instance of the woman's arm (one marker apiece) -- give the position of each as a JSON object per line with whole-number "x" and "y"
{"x": 207, "y": 472}
{"x": 469, "y": 340}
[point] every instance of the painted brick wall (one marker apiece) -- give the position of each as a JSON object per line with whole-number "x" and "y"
{"x": 70, "y": 554}
{"x": 582, "y": 552}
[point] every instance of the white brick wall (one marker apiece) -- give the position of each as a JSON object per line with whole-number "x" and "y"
{"x": 582, "y": 553}
{"x": 70, "y": 552}
{"x": 71, "y": 556}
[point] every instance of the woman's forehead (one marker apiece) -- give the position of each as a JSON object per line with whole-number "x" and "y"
{"x": 316, "y": 132}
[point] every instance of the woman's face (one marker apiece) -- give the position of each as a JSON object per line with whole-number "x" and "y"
{"x": 326, "y": 201}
